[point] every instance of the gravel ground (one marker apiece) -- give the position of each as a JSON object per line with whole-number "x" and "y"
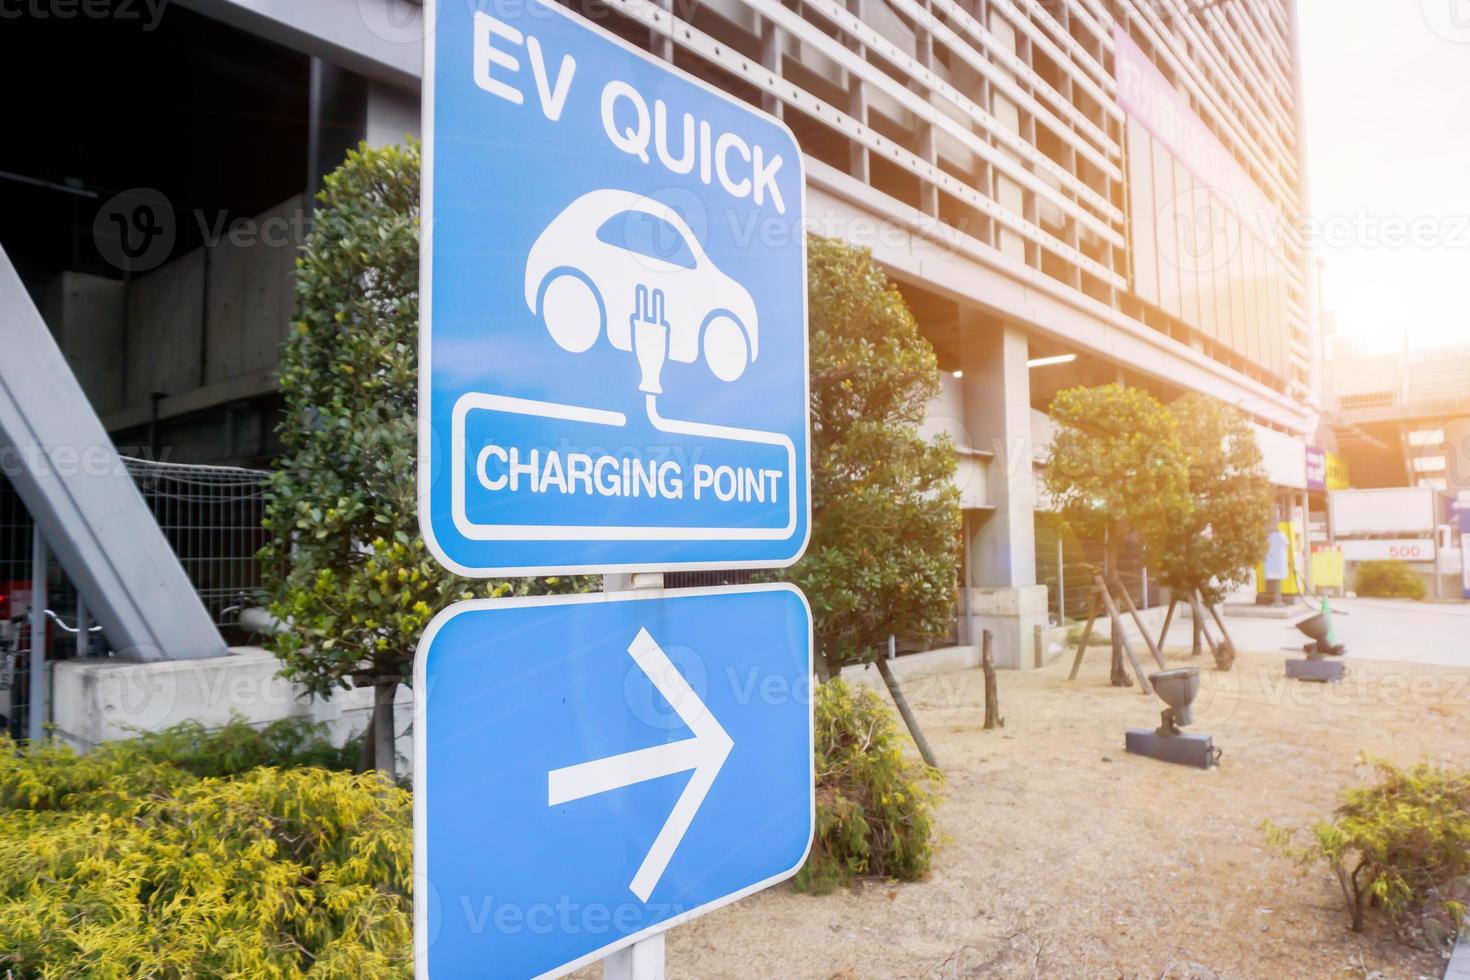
{"x": 1065, "y": 857}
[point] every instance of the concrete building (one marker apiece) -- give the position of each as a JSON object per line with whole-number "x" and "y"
{"x": 1402, "y": 419}
{"x": 1067, "y": 191}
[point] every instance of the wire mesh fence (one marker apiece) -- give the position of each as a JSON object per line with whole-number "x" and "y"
{"x": 211, "y": 516}
{"x": 1065, "y": 565}
{"x": 15, "y": 552}
{"x": 15, "y": 600}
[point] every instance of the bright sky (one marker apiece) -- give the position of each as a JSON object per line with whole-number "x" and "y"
{"x": 1388, "y": 156}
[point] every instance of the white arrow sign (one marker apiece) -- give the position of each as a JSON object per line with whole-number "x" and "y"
{"x": 705, "y": 753}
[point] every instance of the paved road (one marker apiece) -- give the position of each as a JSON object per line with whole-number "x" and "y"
{"x": 1372, "y": 629}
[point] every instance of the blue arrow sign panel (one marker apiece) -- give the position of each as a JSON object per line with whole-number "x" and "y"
{"x": 591, "y": 769}
{"x": 613, "y": 351}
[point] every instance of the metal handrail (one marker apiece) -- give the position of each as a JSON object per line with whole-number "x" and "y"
{"x": 52, "y": 615}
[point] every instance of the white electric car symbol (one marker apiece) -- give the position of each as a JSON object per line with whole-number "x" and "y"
{"x": 589, "y": 266}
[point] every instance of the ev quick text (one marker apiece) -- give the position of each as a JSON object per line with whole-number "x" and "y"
{"x": 647, "y": 128}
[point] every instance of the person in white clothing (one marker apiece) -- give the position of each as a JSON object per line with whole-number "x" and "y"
{"x": 1276, "y": 563}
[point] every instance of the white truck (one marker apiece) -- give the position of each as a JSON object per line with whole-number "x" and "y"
{"x": 1394, "y": 524}
{"x": 1404, "y": 512}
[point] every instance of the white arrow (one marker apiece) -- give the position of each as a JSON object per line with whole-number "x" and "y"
{"x": 705, "y": 753}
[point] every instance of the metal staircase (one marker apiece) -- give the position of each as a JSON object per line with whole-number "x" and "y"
{"x": 64, "y": 467}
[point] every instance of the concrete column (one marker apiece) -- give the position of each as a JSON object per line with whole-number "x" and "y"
{"x": 336, "y": 120}
{"x": 772, "y": 48}
{"x": 997, "y": 398}
{"x": 1004, "y": 597}
{"x": 661, "y": 44}
{"x": 392, "y": 114}
{"x": 1307, "y": 540}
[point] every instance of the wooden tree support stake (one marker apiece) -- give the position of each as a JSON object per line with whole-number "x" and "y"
{"x": 1196, "y": 608}
{"x": 1086, "y": 637}
{"x": 1225, "y": 651}
{"x": 1121, "y": 634}
{"x": 993, "y": 720}
{"x": 1220, "y": 622}
{"x": 1168, "y": 620}
{"x": 1138, "y": 621}
{"x": 906, "y": 712}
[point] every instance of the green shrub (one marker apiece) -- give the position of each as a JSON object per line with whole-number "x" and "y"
{"x": 885, "y": 511}
{"x": 1401, "y": 845}
{"x": 237, "y": 747}
{"x": 874, "y": 809}
{"x": 1388, "y": 580}
{"x": 118, "y": 864}
{"x": 345, "y": 563}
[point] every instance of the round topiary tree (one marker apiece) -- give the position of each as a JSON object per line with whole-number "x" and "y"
{"x": 1216, "y": 546}
{"x": 1115, "y": 470}
{"x": 885, "y": 511}
{"x": 347, "y": 571}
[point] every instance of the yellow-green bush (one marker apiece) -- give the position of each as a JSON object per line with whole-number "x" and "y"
{"x": 116, "y": 864}
{"x": 874, "y": 809}
{"x": 1401, "y": 845}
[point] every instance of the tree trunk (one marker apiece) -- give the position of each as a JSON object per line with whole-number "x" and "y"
{"x": 1148, "y": 640}
{"x": 365, "y": 751}
{"x": 1119, "y": 676}
{"x": 1223, "y": 660}
{"x": 1116, "y": 619}
{"x": 385, "y": 755}
{"x": 831, "y": 664}
{"x": 993, "y": 720}
{"x": 1197, "y": 647}
{"x": 1226, "y": 653}
{"x": 824, "y": 673}
{"x": 1168, "y": 620}
{"x": 902, "y": 703}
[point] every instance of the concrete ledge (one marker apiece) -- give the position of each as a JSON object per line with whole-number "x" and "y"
{"x": 1011, "y": 615}
{"x": 1249, "y": 610}
{"x": 1459, "y": 968}
{"x": 947, "y": 660}
{"x": 95, "y": 701}
{"x": 942, "y": 661}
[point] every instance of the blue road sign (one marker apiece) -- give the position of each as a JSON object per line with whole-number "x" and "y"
{"x": 613, "y": 361}
{"x": 592, "y": 769}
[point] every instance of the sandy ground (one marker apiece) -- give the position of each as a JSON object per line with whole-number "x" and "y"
{"x": 1065, "y": 857}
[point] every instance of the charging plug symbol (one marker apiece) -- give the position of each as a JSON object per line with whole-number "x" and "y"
{"x": 650, "y": 336}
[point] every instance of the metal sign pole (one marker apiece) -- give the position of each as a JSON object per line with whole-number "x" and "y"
{"x": 643, "y": 960}
{"x": 36, "y": 711}
{"x": 84, "y": 629}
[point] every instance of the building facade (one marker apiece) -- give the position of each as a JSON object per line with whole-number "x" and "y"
{"x": 1402, "y": 419}
{"x": 1066, "y": 191}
